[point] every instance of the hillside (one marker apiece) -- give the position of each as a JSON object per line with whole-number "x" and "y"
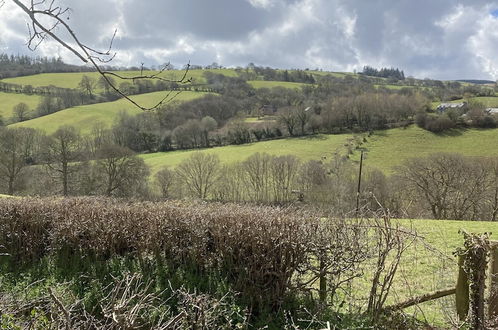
{"x": 86, "y": 116}
{"x": 9, "y": 100}
{"x": 71, "y": 80}
{"x": 387, "y": 149}
{"x": 306, "y": 148}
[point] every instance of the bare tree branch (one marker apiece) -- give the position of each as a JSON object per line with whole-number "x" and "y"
{"x": 58, "y": 16}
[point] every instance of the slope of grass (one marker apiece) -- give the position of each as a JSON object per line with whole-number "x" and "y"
{"x": 424, "y": 270}
{"x": 271, "y": 84}
{"x": 86, "y": 116}
{"x": 9, "y": 100}
{"x": 71, "y": 80}
{"x": 389, "y": 148}
{"x": 305, "y": 148}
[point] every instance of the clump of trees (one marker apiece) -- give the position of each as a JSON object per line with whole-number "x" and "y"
{"x": 68, "y": 164}
{"x": 471, "y": 114}
{"x": 23, "y": 65}
{"x": 393, "y": 73}
{"x": 451, "y": 186}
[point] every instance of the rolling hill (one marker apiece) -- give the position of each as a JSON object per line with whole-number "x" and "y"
{"x": 389, "y": 148}
{"x": 71, "y": 80}
{"x": 384, "y": 149}
{"x": 306, "y": 148}
{"x": 84, "y": 117}
{"x": 9, "y": 100}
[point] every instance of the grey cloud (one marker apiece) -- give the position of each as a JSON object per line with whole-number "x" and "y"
{"x": 444, "y": 39}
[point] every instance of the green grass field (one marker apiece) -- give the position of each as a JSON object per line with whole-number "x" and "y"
{"x": 71, "y": 80}
{"x": 385, "y": 149}
{"x": 9, "y": 100}
{"x": 394, "y": 87}
{"x": 271, "y": 84}
{"x": 305, "y": 148}
{"x": 265, "y": 119}
{"x": 427, "y": 269}
{"x": 86, "y": 116}
{"x": 389, "y": 148}
{"x": 488, "y": 101}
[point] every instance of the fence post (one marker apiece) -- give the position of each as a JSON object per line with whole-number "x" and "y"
{"x": 462, "y": 291}
{"x": 323, "y": 282}
{"x": 493, "y": 292}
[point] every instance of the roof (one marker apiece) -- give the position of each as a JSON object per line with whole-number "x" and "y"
{"x": 451, "y": 105}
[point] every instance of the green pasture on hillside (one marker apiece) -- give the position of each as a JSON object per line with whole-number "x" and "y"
{"x": 429, "y": 264}
{"x": 9, "y": 100}
{"x": 271, "y": 84}
{"x": 394, "y": 87}
{"x": 265, "y": 119}
{"x": 306, "y": 148}
{"x": 72, "y": 79}
{"x": 86, "y": 116}
{"x": 488, "y": 101}
{"x": 389, "y": 148}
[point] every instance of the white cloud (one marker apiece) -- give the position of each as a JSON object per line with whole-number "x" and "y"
{"x": 444, "y": 39}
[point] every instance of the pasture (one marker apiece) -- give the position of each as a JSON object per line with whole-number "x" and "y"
{"x": 72, "y": 79}
{"x": 271, "y": 84}
{"x": 388, "y": 149}
{"x": 9, "y": 100}
{"x": 428, "y": 268}
{"x": 306, "y": 148}
{"x": 86, "y": 116}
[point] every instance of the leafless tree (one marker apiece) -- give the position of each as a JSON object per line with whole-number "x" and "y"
{"x": 61, "y": 149}
{"x": 47, "y": 20}
{"x": 164, "y": 181}
{"x": 20, "y": 111}
{"x": 14, "y": 143}
{"x": 452, "y": 186}
{"x": 122, "y": 170}
{"x": 87, "y": 85}
{"x": 199, "y": 173}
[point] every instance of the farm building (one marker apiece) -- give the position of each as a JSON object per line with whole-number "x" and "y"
{"x": 492, "y": 111}
{"x": 445, "y": 106}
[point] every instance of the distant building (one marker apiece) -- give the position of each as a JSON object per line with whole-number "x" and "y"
{"x": 268, "y": 110}
{"x": 445, "y": 106}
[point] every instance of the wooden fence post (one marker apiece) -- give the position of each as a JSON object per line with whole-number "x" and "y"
{"x": 462, "y": 291}
{"x": 323, "y": 282}
{"x": 493, "y": 292}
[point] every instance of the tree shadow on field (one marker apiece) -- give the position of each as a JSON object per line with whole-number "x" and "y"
{"x": 452, "y": 132}
{"x": 313, "y": 137}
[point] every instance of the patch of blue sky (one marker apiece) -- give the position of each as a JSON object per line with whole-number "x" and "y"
{"x": 494, "y": 13}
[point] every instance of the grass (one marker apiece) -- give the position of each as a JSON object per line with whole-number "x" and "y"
{"x": 394, "y": 87}
{"x": 6, "y": 196}
{"x": 265, "y": 119}
{"x": 271, "y": 84}
{"x": 305, "y": 148}
{"x": 9, "y": 100}
{"x": 86, "y": 116}
{"x": 488, "y": 101}
{"x": 389, "y": 148}
{"x": 424, "y": 271}
{"x": 71, "y": 80}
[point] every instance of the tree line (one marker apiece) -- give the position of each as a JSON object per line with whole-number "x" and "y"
{"x": 393, "y": 73}
{"x": 439, "y": 186}
{"x": 23, "y": 65}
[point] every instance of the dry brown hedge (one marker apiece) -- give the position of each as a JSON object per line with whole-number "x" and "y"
{"x": 258, "y": 249}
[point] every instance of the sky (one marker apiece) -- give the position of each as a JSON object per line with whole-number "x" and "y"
{"x": 437, "y": 39}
